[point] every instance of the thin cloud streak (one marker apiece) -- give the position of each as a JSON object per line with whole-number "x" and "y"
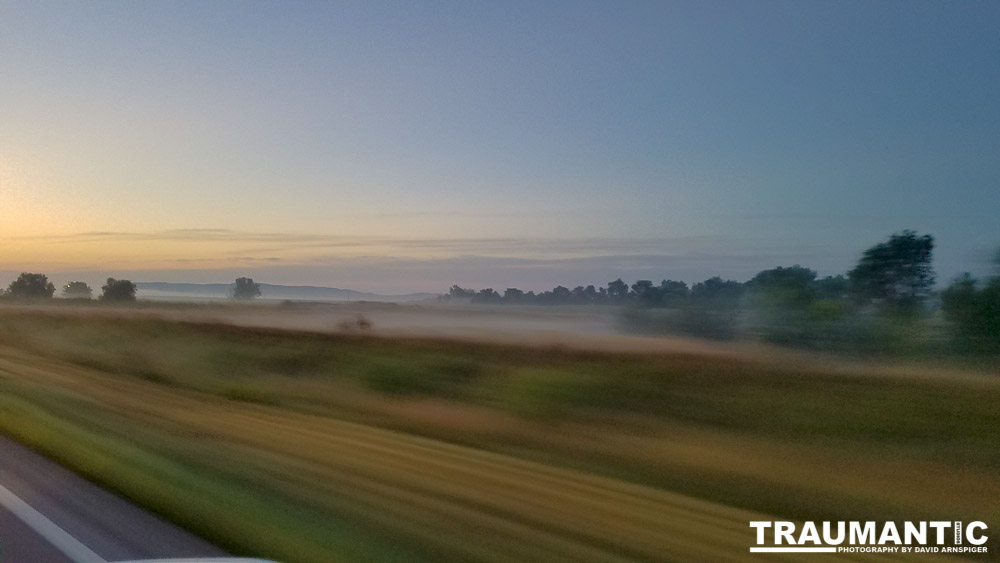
{"x": 510, "y": 247}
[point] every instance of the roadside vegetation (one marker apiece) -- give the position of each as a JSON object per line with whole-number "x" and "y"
{"x": 306, "y": 447}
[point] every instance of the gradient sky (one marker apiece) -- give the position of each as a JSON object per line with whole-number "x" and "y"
{"x": 407, "y": 146}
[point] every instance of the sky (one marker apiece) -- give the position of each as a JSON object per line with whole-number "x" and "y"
{"x": 409, "y": 146}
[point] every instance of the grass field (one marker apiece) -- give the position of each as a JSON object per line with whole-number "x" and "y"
{"x": 304, "y": 446}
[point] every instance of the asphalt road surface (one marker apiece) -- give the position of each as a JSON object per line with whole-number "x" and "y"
{"x": 49, "y": 514}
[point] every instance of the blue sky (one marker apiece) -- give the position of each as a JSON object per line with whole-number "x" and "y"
{"x": 407, "y": 146}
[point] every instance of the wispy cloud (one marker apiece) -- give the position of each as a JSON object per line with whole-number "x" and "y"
{"x": 277, "y": 243}
{"x": 231, "y": 260}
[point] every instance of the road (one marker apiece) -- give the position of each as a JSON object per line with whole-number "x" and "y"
{"x": 50, "y": 515}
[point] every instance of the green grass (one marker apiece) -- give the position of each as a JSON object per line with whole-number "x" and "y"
{"x": 189, "y": 483}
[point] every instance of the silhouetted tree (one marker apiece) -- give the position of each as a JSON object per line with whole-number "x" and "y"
{"x": 777, "y": 303}
{"x": 486, "y": 296}
{"x": 673, "y": 293}
{"x": 617, "y": 291}
{"x": 716, "y": 293}
{"x": 77, "y": 290}
{"x": 513, "y": 295}
{"x": 646, "y": 294}
{"x": 713, "y": 307}
{"x": 456, "y": 291}
{"x": 784, "y": 287}
{"x": 31, "y": 286}
{"x": 602, "y": 295}
{"x": 896, "y": 272}
{"x": 975, "y": 311}
{"x": 246, "y": 289}
{"x": 561, "y": 295}
{"x": 832, "y": 287}
{"x": 118, "y": 290}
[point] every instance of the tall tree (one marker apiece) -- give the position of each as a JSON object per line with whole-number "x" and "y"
{"x": 897, "y": 271}
{"x": 31, "y": 286}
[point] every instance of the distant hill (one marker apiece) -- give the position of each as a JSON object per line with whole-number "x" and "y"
{"x": 199, "y": 291}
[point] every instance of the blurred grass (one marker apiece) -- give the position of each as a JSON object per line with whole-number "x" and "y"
{"x": 208, "y": 421}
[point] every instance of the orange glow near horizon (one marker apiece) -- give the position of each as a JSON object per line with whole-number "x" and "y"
{"x": 214, "y": 248}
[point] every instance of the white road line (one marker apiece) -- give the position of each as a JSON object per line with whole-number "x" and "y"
{"x": 46, "y": 528}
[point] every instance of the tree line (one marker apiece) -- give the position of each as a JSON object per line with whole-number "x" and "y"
{"x": 896, "y": 272}
{"x": 34, "y": 286}
{"x": 878, "y": 302}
